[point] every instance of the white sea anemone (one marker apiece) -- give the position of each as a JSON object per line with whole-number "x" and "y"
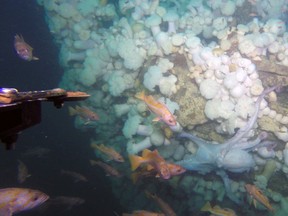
{"x": 245, "y": 107}
{"x": 241, "y": 75}
{"x": 152, "y": 77}
{"x": 167, "y": 85}
{"x": 228, "y": 8}
{"x": 178, "y": 39}
{"x": 257, "y": 88}
{"x": 153, "y": 22}
{"x": 237, "y": 91}
{"x": 171, "y": 17}
{"x": 163, "y": 41}
{"x": 230, "y": 80}
{"x": 246, "y": 46}
{"x": 209, "y": 88}
{"x": 274, "y": 47}
{"x": 219, "y": 23}
{"x": 219, "y": 109}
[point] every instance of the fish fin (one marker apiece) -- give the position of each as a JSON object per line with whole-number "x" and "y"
{"x": 87, "y": 122}
{"x": 94, "y": 145}
{"x": 149, "y": 167}
{"x": 72, "y": 111}
{"x": 35, "y": 58}
{"x": 206, "y": 207}
{"x": 157, "y": 175}
{"x": 217, "y": 207}
{"x": 135, "y": 161}
{"x": 102, "y": 146}
{"x": 19, "y": 38}
{"x": 93, "y": 162}
{"x": 134, "y": 177}
{"x": 116, "y": 214}
{"x": 255, "y": 203}
{"x": 150, "y": 195}
{"x": 6, "y": 211}
{"x": 157, "y": 119}
{"x": 146, "y": 152}
{"x": 140, "y": 95}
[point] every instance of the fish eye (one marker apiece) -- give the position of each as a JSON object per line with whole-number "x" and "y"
{"x": 35, "y": 198}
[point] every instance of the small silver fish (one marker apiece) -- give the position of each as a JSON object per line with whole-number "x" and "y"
{"x": 14, "y": 200}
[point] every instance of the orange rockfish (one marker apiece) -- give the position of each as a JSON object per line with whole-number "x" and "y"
{"x": 110, "y": 152}
{"x": 217, "y": 210}
{"x": 149, "y": 171}
{"x": 14, "y": 200}
{"x": 154, "y": 161}
{"x": 110, "y": 171}
{"x": 257, "y": 195}
{"x": 166, "y": 209}
{"x": 143, "y": 213}
{"x": 84, "y": 112}
{"x": 23, "y": 49}
{"x": 158, "y": 108}
{"x": 175, "y": 169}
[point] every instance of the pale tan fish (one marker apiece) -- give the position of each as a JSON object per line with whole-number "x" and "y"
{"x": 23, "y": 173}
{"x": 14, "y": 200}
{"x": 110, "y": 171}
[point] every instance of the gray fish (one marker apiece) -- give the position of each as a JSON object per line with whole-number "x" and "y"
{"x": 77, "y": 177}
{"x": 67, "y": 201}
{"x": 22, "y": 172}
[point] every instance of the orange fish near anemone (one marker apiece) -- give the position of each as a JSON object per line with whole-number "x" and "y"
{"x": 109, "y": 151}
{"x": 153, "y": 161}
{"x": 158, "y": 108}
{"x": 150, "y": 171}
{"x": 24, "y": 50}
{"x": 257, "y": 195}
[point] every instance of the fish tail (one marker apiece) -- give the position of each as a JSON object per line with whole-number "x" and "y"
{"x": 140, "y": 95}
{"x": 150, "y": 195}
{"x": 72, "y": 111}
{"x": 135, "y": 161}
{"x": 206, "y": 207}
{"x": 94, "y": 145}
{"x": 134, "y": 177}
{"x": 18, "y": 38}
{"x": 146, "y": 152}
{"x": 93, "y": 162}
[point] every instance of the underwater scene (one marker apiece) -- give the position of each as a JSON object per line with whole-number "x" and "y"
{"x": 186, "y": 112}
